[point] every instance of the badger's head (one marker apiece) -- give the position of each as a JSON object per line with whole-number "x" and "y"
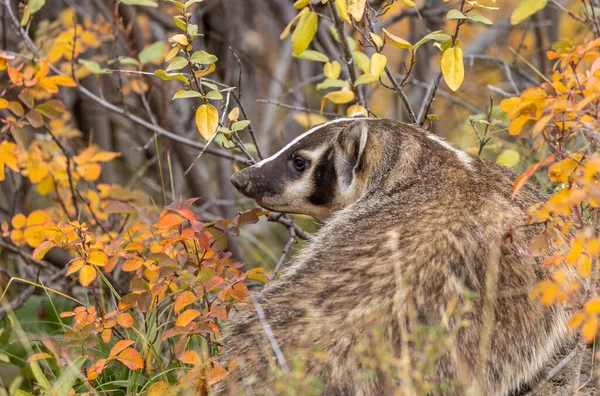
{"x": 318, "y": 173}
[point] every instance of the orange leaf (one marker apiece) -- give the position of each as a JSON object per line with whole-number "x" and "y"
{"x": 184, "y": 299}
{"x": 169, "y": 220}
{"x": 104, "y": 156}
{"x": 158, "y": 389}
{"x": 190, "y": 357}
{"x": 120, "y": 346}
{"x": 132, "y": 264}
{"x": 216, "y": 374}
{"x": 42, "y": 249}
{"x": 98, "y": 258}
{"x": 593, "y": 306}
{"x": 18, "y": 221}
{"x": 75, "y": 265}
{"x": 576, "y": 320}
{"x": 186, "y": 317}
{"x": 125, "y": 319}
{"x": 87, "y": 275}
{"x": 39, "y": 356}
{"x": 131, "y": 358}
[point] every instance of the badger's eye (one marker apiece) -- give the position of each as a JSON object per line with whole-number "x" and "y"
{"x": 300, "y": 163}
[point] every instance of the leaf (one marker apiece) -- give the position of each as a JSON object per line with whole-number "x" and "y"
{"x": 329, "y": 83}
{"x": 51, "y": 109}
{"x": 179, "y": 62}
{"x": 169, "y": 76}
{"x": 308, "y": 120}
{"x": 342, "y": 7}
{"x": 366, "y": 78}
{"x": 312, "y": 55}
{"x": 240, "y": 125}
{"x": 455, "y": 14}
{"x": 362, "y": 61}
{"x": 510, "y": 158}
{"x": 190, "y": 357}
{"x": 213, "y": 95}
{"x": 356, "y": 109}
{"x": 438, "y": 36}
{"x": 337, "y": 97}
{"x": 183, "y": 94}
{"x": 158, "y": 389}
{"x": 216, "y": 374}
{"x": 525, "y": 9}
{"x": 258, "y": 274}
{"x": 305, "y": 32}
{"x": 479, "y": 18}
{"x": 98, "y": 258}
{"x": 356, "y": 8}
{"x": 119, "y": 346}
{"x": 453, "y": 68}
{"x": 378, "y": 63}
{"x": 301, "y": 4}
{"x": 18, "y": 221}
{"x": 36, "y": 5}
{"x": 148, "y": 3}
{"x": 286, "y": 31}
{"x": 125, "y": 319}
{"x": 152, "y": 52}
{"x": 183, "y": 300}
{"x": 186, "y": 317}
{"x": 42, "y": 249}
{"x": 132, "y": 264}
{"x": 207, "y": 120}
{"x": 203, "y": 58}
{"x": 39, "y": 356}
{"x": 332, "y": 70}
{"x": 131, "y": 358}
{"x": 397, "y": 41}
{"x": 169, "y": 220}
{"x": 589, "y": 329}
{"x": 87, "y": 275}
{"x": 376, "y": 39}
{"x": 592, "y": 306}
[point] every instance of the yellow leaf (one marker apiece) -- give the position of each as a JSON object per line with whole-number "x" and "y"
{"x": 3, "y": 103}
{"x": 234, "y": 114}
{"x": 33, "y": 235}
{"x": 46, "y": 185}
{"x": 286, "y": 31}
{"x": 592, "y": 306}
{"x": 37, "y": 217}
{"x": 17, "y": 237}
{"x": 36, "y": 169}
{"x": 342, "y": 7}
{"x": 305, "y": 31}
{"x": 589, "y": 329}
{"x": 18, "y": 221}
{"x": 356, "y": 8}
{"x": 301, "y": 4}
{"x": 42, "y": 249}
{"x": 510, "y": 158}
{"x": 98, "y": 258}
{"x": 87, "y": 275}
{"x": 308, "y": 120}
{"x": 39, "y": 356}
{"x": 258, "y": 274}
{"x": 158, "y": 389}
{"x": 525, "y": 9}
{"x": 584, "y": 268}
{"x": 179, "y": 39}
{"x": 332, "y": 70}
{"x": 183, "y": 300}
{"x": 576, "y": 320}
{"x": 409, "y": 3}
{"x": 377, "y": 40}
{"x": 378, "y": 63}
{"x": 453, "y": 68}
{"x": 207, "y": 120}
{"x": 186, "y": 317}
{"x": 355, "y": 109}
{"x": 132, "y": 264}
{"x": 104, "y": 156}
{"x": 397, "y": 41}
{"x": 516, "y": 125}
{"x": 337, "y": 97}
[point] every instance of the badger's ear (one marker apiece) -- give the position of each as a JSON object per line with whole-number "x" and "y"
{"x": 350, "y": 144}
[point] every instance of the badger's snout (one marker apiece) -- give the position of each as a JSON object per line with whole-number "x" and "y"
{"x": 240, "y": 181}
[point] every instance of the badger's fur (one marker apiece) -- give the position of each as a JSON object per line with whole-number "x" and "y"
{"x": 415, "y": 227}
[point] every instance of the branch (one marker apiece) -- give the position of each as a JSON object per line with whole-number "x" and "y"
{"x": 297, "y": 108}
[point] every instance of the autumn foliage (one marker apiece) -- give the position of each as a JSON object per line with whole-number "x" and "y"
{"x": 162, "y": 327}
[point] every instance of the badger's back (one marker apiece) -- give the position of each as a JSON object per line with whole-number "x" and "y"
{"x": 398, "y": 262}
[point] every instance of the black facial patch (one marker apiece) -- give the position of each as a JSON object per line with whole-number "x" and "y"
{"x": 324, "y": 179}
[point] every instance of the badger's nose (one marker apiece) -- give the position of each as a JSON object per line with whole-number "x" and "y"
{"x": 239, "y": 181}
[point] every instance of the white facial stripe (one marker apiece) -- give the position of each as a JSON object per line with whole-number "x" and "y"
{"x": 461, "y": 155}
{"x": 305, "y": 134}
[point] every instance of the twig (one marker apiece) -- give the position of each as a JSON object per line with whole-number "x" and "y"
{"x": 270, "y": 335}
{"x": 297, "y": 108}
{"x": 285, "y": 252}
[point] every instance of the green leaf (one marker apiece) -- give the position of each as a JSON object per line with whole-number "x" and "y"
{"x": 455, "y": 14}
{"x": 366, "y": 78}
{"x": 124, "y": 60}
{"x": 210, "y": 85}
{"x": 479, "y": 18}
{"x": 183, "y": 94}
{"x": 178, "y": 4}
{"x": 179, "y": 22}
{"x": 525, "y": 9}
{"x": 148, "y": 3}
{"x": 93, "y": 66}
{"x": 69, "y": 376}
{"x": 332, "y": 83}
{"x": 305, "y": 31}
{"x": 36, "y": 5}
{"x": 169, "y": 76}
{"x": 312, "y": 55}
{"x": 238, "y": 126}
{"x": 179, "y": 62}
{"x": 362, "y": 61}
{"x": 152, "y": 52}
{"x": 453, "y": 68}
{"x": 438, "y": 36}
{"x": 214, "y": 95}
{"x": 510, "y": 158}
{"x": 203, "y": 58}
{"x": 40, "y": 377}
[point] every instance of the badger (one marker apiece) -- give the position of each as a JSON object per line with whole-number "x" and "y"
{"x": 411, "y": 284}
